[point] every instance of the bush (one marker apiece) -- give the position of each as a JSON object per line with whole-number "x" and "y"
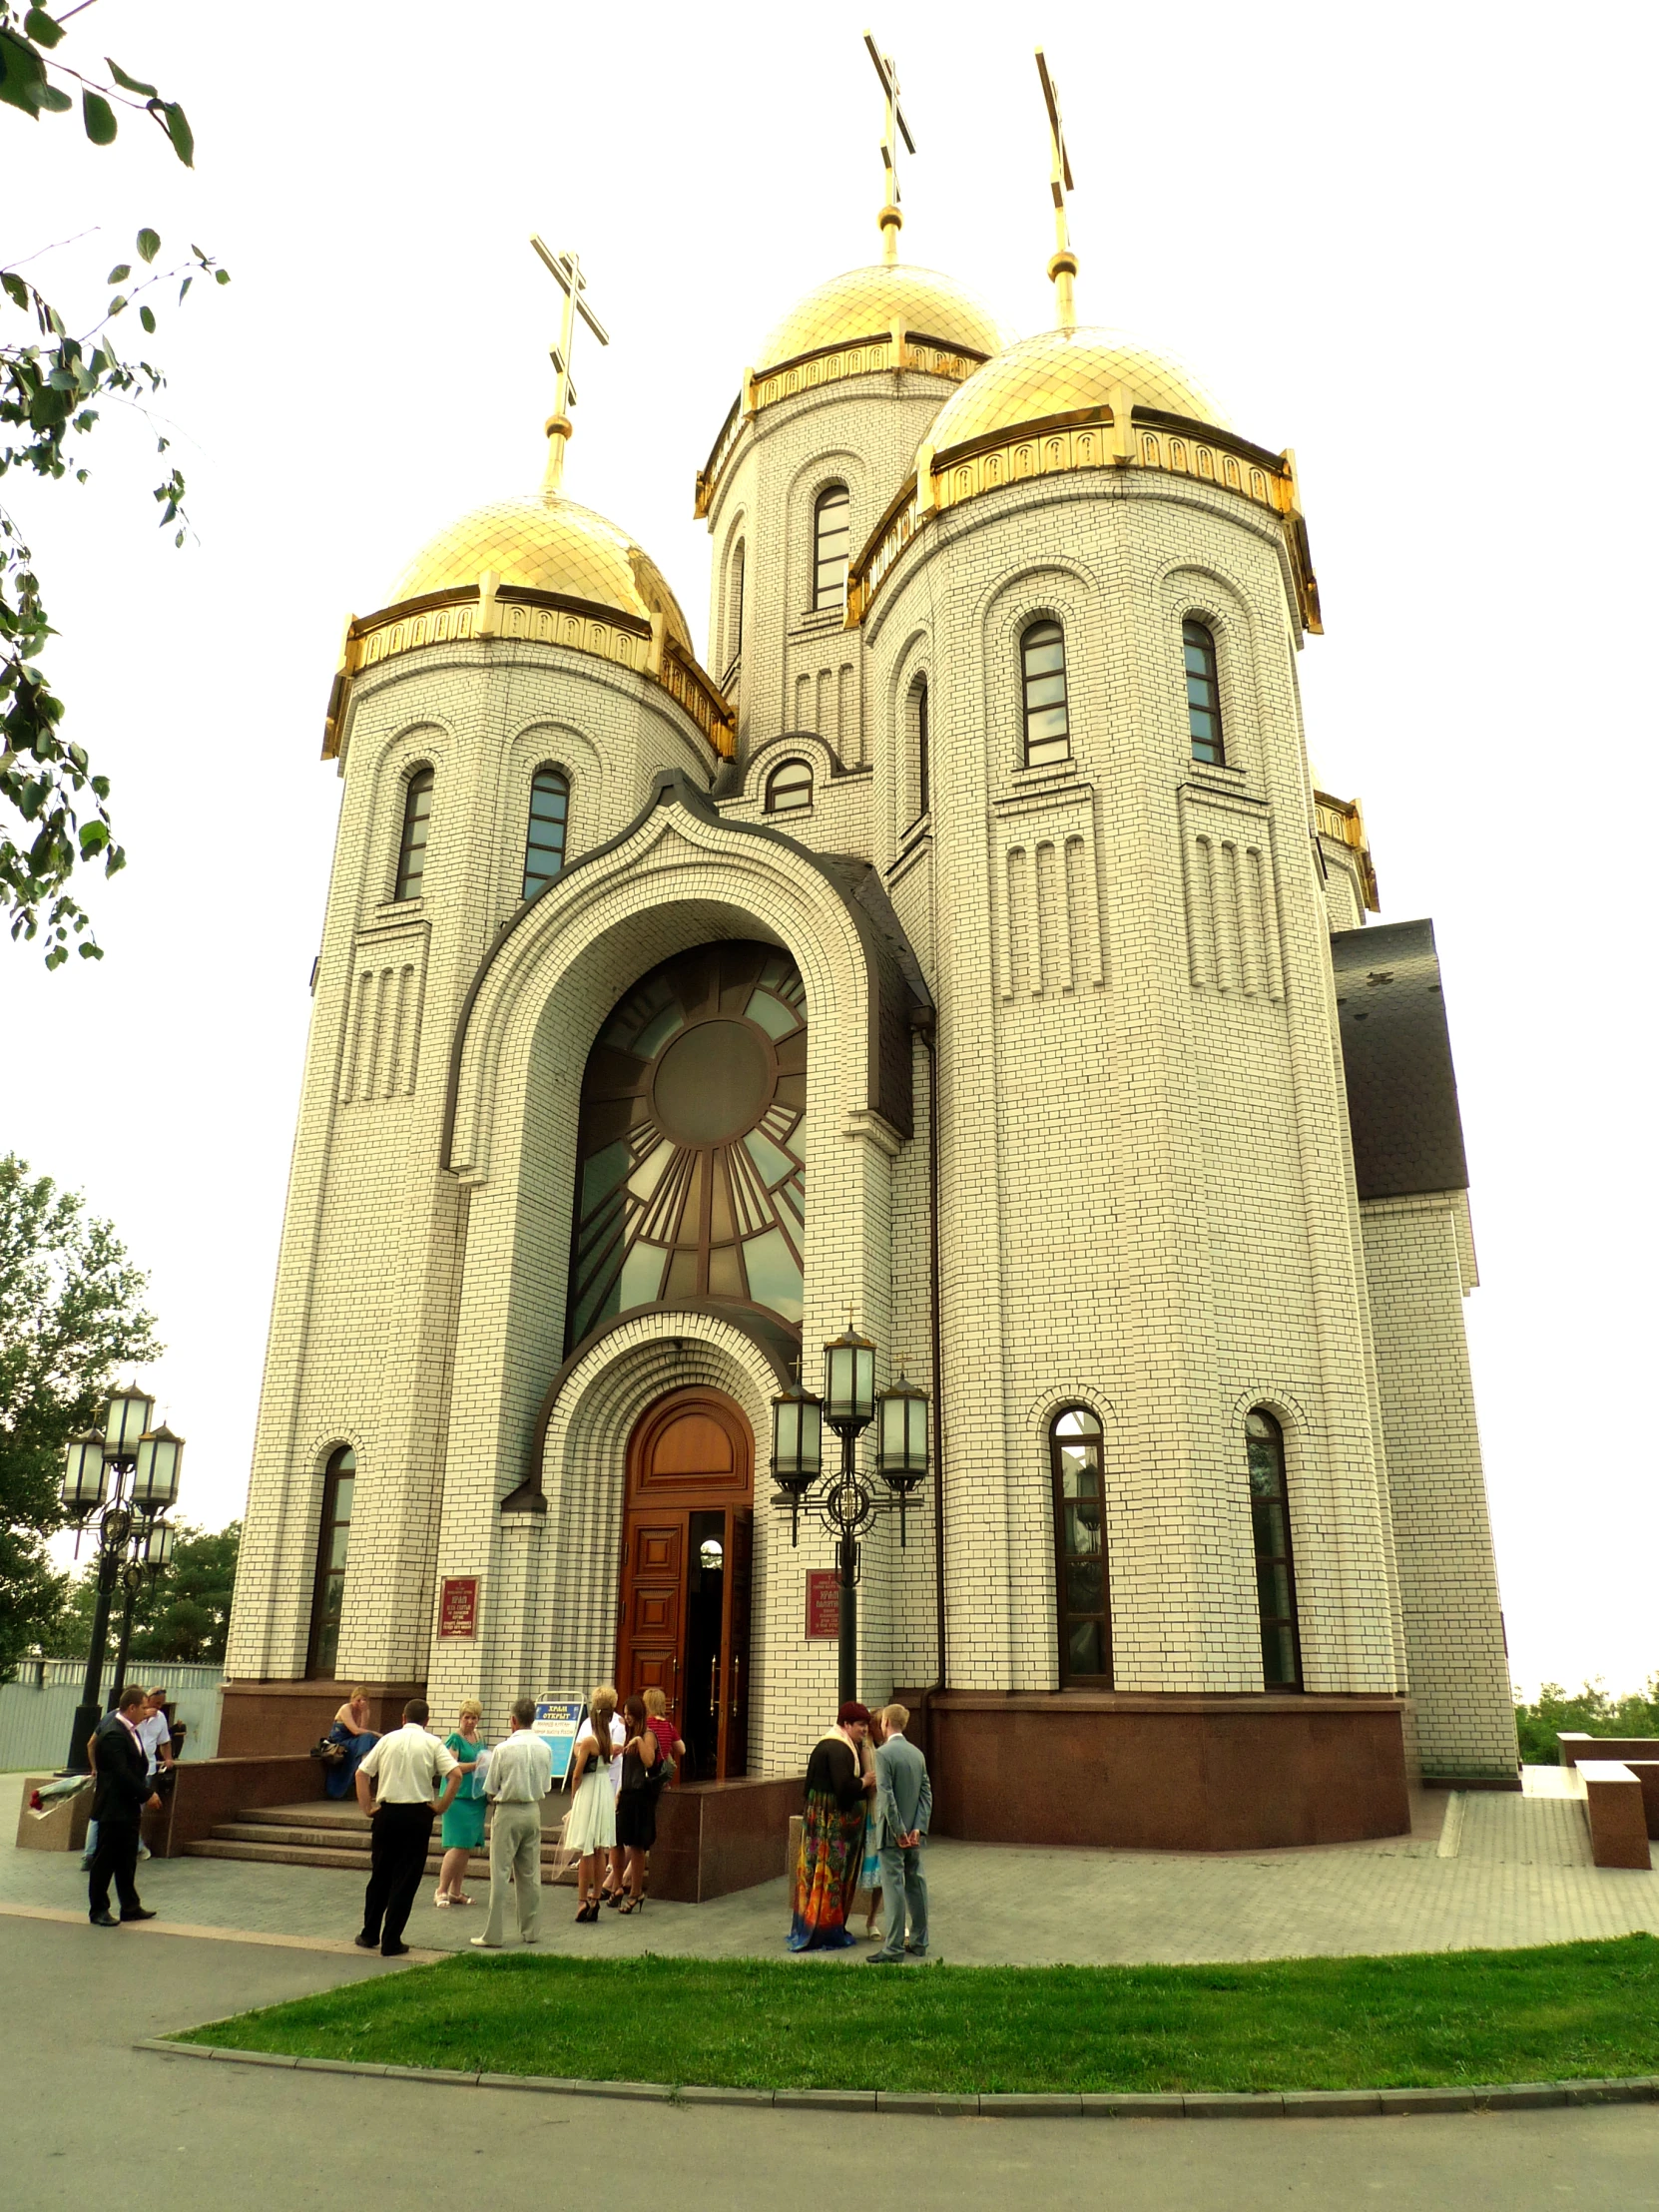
{"x": 1539, "y": 1726}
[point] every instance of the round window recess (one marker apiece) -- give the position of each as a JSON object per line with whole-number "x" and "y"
{"x": 711, "y": 1556}
{"x": 713, "y": 1083}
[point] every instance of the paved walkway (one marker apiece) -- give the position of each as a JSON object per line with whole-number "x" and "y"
{"x": 1491, "y": 1869}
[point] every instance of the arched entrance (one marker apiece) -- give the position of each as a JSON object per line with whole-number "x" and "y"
{"x": 687, "y": 1548}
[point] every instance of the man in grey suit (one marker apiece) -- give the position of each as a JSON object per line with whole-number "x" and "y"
{"x": 903, "y": 1807}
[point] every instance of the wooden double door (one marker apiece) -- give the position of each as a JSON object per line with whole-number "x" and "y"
{"x": 687, "y": 1553}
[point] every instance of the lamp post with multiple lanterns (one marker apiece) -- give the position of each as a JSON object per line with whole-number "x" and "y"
{"x": 846, "y": 1504}
{"x": 119, "y": 1482}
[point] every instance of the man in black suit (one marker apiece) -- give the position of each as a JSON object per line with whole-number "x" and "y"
{"x": 123, "y": 1792}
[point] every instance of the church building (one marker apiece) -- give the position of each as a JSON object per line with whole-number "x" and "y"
{"x": 959, "y": 942}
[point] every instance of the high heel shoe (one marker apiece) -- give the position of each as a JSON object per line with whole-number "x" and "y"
{"x": 630, "y": 1905}
{"x": 588, "y": 1913}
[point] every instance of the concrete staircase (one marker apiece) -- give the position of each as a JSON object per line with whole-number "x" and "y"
{"x": 331, "y": 1833}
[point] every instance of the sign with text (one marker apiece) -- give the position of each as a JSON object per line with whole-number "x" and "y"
{"x": 459, "y": 1607}
{"x": 558, "y": 1723}
{"x": 824, "y": 1602}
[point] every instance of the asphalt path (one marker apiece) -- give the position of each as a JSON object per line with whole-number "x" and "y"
{"x": 85, "y": 2120}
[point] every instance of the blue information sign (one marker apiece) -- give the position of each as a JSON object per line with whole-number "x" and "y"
{"x": 558, "y": 1723}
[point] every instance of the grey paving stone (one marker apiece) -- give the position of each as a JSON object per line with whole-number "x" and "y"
{"x": 650, "y": 2092}
{"x": 1426, "y": 2101}
{"x": 1614, "y": 2089}
{"x": 1133, "y": 2105}
{"x": 1225, "y": 2104}
{"x": 175, "y": 2050}
{"x": 695, "y": 2093}
{"x": 340, "y": 2065}
{"x": 257, "y": 2057}
{"x": 448, "y": 2075}
{"x": 1041, "y": 2106}
{"x": 1522, "y": 2096}
{"x": 825, "y": 2100}
{"x": 1332, "y": 2104}
{"x": 943, "y": 2107}
{"x": 549, "y": 2084}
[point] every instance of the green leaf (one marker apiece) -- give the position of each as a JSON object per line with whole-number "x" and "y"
{"x": 185, "y": 286}
{"x": 22, "y": 75}
{"x": 98, "y": 116}
{"x": 147, "y": 319}
{"x": 54, "y": 100}
{"x": 131, "y": 84}
{"x": 149, "y": 245}
{"x": 39, "y": 26}
{"x": 180, "y": 132}
{"x": 116, "y": 303}
{"x": 17, "y": 291}
{"x": 222, "y": 275}
{"x": 119, "y": 273}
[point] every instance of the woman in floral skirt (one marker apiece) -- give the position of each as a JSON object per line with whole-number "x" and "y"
{"x": 839, "y": 1779}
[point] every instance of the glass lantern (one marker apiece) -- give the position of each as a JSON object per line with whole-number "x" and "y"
{"x": 156, "y": 1469}
{"x": 849, "y": 1382}
{"x": 127, "y": 1417}
{"x": 796, "y": 1448}
{"x": 902, "y": 1435}
{"x": 155, "y": 1545}
{"x": 86, "y": 1475}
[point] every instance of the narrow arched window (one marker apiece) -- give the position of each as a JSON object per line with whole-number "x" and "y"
{"x": 832, "y": 519}
{"x": 1042, "y": 654}
{"x": 1270, "y": 1516}
{"x": 1198, "y": 652}
{"x": 1083, "y": 1606}
{"x": 333, "y": 1537}
{"x": 919, "y": 739}
{"x": 789, "y": 788}
{"x": 418, "y": 818}
{"x": 544, "y": 847}
{"x": 733, "y": 625}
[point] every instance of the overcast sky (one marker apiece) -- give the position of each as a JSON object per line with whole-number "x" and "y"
{"x": 1413, "y": 243}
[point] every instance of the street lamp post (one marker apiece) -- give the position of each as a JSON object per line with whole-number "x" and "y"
{"x": 117, "y": 1483}
{"x": 845, "y": 1505}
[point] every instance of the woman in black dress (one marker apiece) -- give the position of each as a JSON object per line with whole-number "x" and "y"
{"x": 636, "y": 1800}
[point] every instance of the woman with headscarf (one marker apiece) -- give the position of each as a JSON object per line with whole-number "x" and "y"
{"x": 841, "y": 1777}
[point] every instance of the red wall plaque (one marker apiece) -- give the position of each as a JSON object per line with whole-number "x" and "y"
{"x": 459, "y": 1607}
{"x": 824, "y": 1602}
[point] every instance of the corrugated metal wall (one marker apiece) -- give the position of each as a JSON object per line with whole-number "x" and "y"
{"x": 35, "y": 1721}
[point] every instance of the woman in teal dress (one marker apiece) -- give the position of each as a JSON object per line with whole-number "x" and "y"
{"x": 464, "y": 1824}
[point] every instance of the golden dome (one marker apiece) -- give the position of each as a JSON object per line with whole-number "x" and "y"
{"x": 1060, "y": 371}
{"x": 867, "y": 302}
{"x": 545, "y": 542}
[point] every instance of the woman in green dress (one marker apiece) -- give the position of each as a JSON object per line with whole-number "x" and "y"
{"x": 464, "y": 1824}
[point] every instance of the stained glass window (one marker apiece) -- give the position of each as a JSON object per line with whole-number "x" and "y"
{"x": 544, "y": 843}
{"x": 1084, "y": 1605}
{"x": 691, "y": 1182}
{"x": 1198, "y": 654}
{"x": 1275, "y": 1576}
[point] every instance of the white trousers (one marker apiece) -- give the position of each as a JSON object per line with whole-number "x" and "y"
{"x": 515, "y": 1865}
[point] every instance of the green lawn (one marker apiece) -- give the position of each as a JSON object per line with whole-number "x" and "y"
{"x": 1570, "y": 2010}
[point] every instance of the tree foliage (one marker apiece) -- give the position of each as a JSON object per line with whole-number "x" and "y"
{"x": 1590, "y": 1710}
{"x": 52, "y": 812}
{"x": 181, "y": 1618}
{"x": 72, "y": 1313}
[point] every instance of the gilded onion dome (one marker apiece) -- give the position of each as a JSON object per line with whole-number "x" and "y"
{"x": 866, "y": 302}
{"x": 545, "y": 542}
{"x": 1062, "y": 372}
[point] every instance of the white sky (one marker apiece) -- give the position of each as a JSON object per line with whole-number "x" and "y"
{"x": 1413, "y": 244}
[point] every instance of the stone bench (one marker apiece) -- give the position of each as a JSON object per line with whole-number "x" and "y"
{"x": 1616, "y": 1804}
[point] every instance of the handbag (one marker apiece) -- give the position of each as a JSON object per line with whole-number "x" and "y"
{"x": 328, "y": 1751}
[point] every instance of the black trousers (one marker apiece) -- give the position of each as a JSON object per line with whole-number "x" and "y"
{"x": 397, "y": 1854}
{"x": 115, "y": 1859}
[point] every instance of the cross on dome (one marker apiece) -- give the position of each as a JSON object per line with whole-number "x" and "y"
{"x": 890, "y": 218}
{"x": 566, "y": 272}
{"x": 1063, "y": 268}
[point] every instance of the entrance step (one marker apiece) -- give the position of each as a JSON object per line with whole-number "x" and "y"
{"x": 330, "y": 1834}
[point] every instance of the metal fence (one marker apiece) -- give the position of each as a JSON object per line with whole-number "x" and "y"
{"x": 35, "y": 1718}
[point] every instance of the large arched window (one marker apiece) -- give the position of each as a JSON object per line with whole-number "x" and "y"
{"x": 544, "y": 844}
{"x": 1270, "y": 1516}
{"x": 920, "y": 745}
{"x": 1042, "y": 659}
{"x": 734, "y": 603}
{"x": 334, "y": 1535}
{"x": 831, "y": 522}
{"x": 418, "y": 817}
{"x": 789, "y": 788}
{"x": 692, "y": 1174}
{"x": 1083, "y": 1607}
{"x": 1198, "y": 653}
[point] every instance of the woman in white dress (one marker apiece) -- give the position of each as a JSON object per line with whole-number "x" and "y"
{"x": 592, "y": 1829}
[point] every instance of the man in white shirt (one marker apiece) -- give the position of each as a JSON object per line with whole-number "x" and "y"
{"x": 404, "y": 1767}
{"x": 520, "y": 1776}
{"x": 156, "y": 1735}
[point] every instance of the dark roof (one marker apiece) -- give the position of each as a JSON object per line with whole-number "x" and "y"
{"x": 1396, "y": 1056}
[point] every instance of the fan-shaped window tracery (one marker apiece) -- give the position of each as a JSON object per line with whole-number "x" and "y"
{"x": 691, "y": 1182}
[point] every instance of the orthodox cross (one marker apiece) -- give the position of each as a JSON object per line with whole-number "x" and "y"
{"x": 1063, "y": 268}
{"x": 566, "y": 272}
{"x": 890, "y": 218}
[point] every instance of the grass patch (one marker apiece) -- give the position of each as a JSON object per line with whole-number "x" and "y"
{"x": 1566, "y": 2012}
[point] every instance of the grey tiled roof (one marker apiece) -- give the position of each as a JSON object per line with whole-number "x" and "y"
{"x": 1397, "y": 1055}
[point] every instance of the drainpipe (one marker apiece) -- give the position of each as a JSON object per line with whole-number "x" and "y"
{"x": 929, "y": 1039}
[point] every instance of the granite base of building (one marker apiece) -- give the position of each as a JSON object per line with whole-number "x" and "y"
{"x": 1152, "y": 1773}
{"x": 268, "y": 1719}
{"x": 716, "y": 1836}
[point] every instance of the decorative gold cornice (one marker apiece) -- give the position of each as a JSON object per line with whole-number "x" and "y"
{"x": 1341, "y": 820}
{"x": 488, "y": 610}
{"x": 880, "y": 353}
{"x": 1087, "y": 438}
